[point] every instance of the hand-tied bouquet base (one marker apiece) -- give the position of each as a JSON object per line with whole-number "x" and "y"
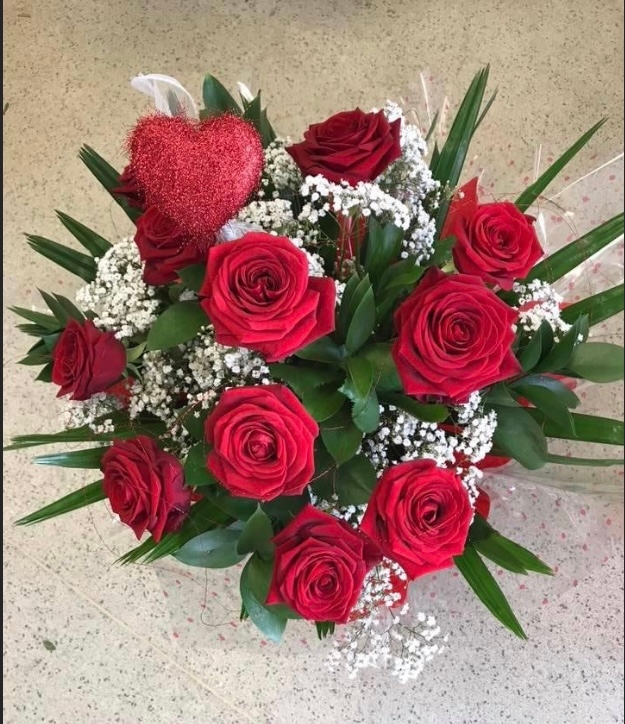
{"x": 308, "y": 354}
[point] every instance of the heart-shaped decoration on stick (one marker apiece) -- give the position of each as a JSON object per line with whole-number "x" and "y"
{"x": 198, "y": 173}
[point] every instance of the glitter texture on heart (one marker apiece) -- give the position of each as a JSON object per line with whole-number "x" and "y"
{"x": 198, "y": 173}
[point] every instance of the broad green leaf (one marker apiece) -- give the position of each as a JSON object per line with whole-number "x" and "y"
{"x": 47, "y": 321}
{"x": 45, "y": 375}
{"x": 256, "y": 535}
{"x": 217, "y": 99}
{"x": 95, "y": 244}
{"x": 584, "y": 462}
{"x": 383, "y": 247}
{"x": 366, "y": 414}
{"x": 442, "y": 252}
{"x": 324, "y": 479}
{"x": 499, "y": 394}
{"x": 427, "y": 413}
{"x": 360, "y": 379}
{"x": 527, "y": 198}
{"x": 354, "y": 292}
{"x": 355, "y": 481}
{"x": 322, "y": 350}
{"x": 324, "y": 629}
{"x": 192, "y": 424}
{"x": 304, "y": 379}
{"x": 78, "y": 499}
{"x": 400, "y": 275}
{"x": 598, "y": 361}
{"x": 203, "y": 516}
{"x": 323, "y": 402}
{"x": 561, "y": 262}
{"x": 239, "y": 508}
{"x": 588, "y": 428}
{"x": 214, "y": 549}
{"x": 560, "y": 354}
{"x": 520, "y": 437}
{"x": 599, "y": 307}
{"x": 537, "y": 348}
{"x": 448, "y": 164}
{"x": 73, "y": 261}
{"x": 477, "y": 575}
{"x": 87, "y": 459}
{"x": 108, "y": 177}
{"x": 195, "y": 471}
{"x": 177, "y": 324}
{"x": 254, "y": 586}
{"x": 193, "y": 276}
{"x": 385, "y": 376}
{"x": 340, "y": 436}
{"x": 286, "y": 507}
{"x": 133, "y": 353}
{"x": 362, "y": 323}
{"x": 35, "y": 360}
{"x": 550, "y": 396}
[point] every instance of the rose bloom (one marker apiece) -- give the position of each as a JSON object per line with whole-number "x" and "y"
{"x": 263, "y": 442}
{"x": 496, "y": 242}
{"x": 419, "y": 515}
{"x": 454, "y": 337}
{"x": 145, "y": 486}
{"x": 129, "y": 188}
{"x": 320, "y": 565}
{"x": 350, "y": 146}
{"x": 258, "y": 295}
{"x": 86, "y": 360}
{"x": 164, "y": 248}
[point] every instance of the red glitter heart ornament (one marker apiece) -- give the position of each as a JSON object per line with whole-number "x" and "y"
{"x": 198, "y": 173}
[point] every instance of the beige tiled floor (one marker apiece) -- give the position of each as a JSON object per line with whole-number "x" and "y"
{"x": 125, "y": 652}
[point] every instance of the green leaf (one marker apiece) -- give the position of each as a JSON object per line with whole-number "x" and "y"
{"x": 203, "y": 516}
{"x": 366, "y": 414}
{"x": 324, "y": 629}
{"x": 527, "y": 559}
{"x": 256, "y": 535}
{"x": 323, "y": 402}
{"x": 584, "y": 462}
{"x": 504, "y": 552}
{"x": 45, "y": 375}
{"x": 385, "y": 376}
{"x": 354, "y": 292}
{"x": 193, "y": 276}
{"x": 399, "y": 276}
{"x": 217, "y": 99}
{"x": 572, "y": 255}
{"x": 78, "y": 499}
{"x": 383, "y": 247}
{"x": 355, "y": 481}
{"x": 195, "y": 471}
{"x": 519, "y": 436}
{"x": 359, "y": 382}
{"x": 432, "y": 127}
{"x": 537, "y": 348}
{"x": 192, "y": 424}
{"x": 362, "y": 324}
{"x": 560, "y": 354}
{"x": 527, "y": 198}
{"x": 477, "y": 575}
{"x": 95, "y": 244}
{"x": 254, "y": 586}
{"x": 442, "y": 252}
{"x": 448, "y": 164}
{"x": 589, "y": 428}
{"x": 286, "y": 507}
{"x": 500, "y": 395}
{"x": 340, "y": 436}
{"x": 87, "y": 459}
{"x": 47, "y": 321}
{"x": 214, "y": 549}
{"x": 75, "y": 262}
{"x": 177, "y": 324}
{"x": 427, "y": 413}
{"x": 108, "y": 177}
{"x": 487, "y": 107}
{"x": 304, "y": 379}
{"x": 599, "y": 307}
{"x": 234, "y": 506}
{"x": 598, "y": 361}
{"x": 550, "y": 396}
{"x": 133, "y": 353}
{"x": 322, "y": 350}
{"x": 324, "y": 480}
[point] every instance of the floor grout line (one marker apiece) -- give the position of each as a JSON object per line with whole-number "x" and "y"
{"x": 122, "y": 624}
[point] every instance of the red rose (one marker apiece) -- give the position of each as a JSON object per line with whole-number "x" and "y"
{"x": 129, "y": 188}
{"x": 263, "y": 442}
{"x": 496, "y": 242}
{"x": 419, "y": 515}
{"x": 350, "y": 146}
{"x": 320, "y": 565}
{"x": 258, "y": 295}
{"x": 164, "y": 248}
{"x": 455, "y": 337}
{"x": 86, "y": 360}
{"x": 145, "y": 486}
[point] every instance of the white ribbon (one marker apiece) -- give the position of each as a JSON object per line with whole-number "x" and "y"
{"x": 169, "y": 96}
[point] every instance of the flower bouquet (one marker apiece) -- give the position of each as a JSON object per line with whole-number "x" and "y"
{"x": 308, "y": 353}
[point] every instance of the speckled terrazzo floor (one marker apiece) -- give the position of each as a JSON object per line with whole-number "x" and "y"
{"x": 133, "y": 644}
